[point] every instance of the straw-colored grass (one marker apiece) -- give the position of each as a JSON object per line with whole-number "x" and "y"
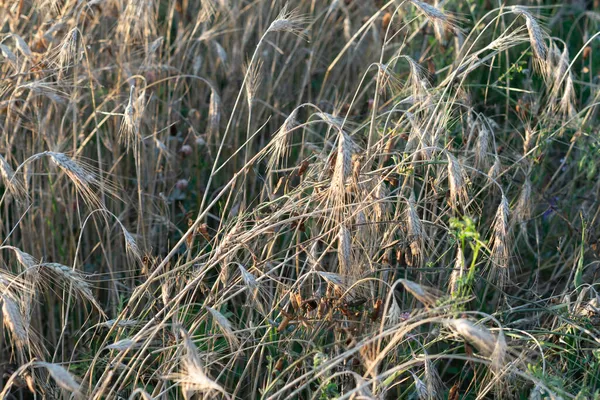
{"x": 231, "y": 199}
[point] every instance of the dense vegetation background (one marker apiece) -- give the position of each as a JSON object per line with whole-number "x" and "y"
{"x": 325, "y": 199}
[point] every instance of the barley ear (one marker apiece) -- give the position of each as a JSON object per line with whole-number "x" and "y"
{"x": 500, "y": 237}
{"x": 62, "y": 377}
{"x": 14, "y": 321}
{"x": 225, "y": 326}
{"x": 456, "y": 179}
{"x": 344, "y": 250}
{"x": 11, "y": 182}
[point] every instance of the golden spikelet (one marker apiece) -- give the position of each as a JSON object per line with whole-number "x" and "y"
{"x": 537, "y": 38}
{"x": 225, "y": 326}
{"x": 71, "y": 278}
{"x": 344, "y": 251}
{"x": 214, "y": 114}
{"x": 456, "y": 180}
{"x": 193, "y": 378}
{"x": 426, "y": 295}
{"x": 500, "y": 252}
{"x": 281, "y": 141}
{"x": 482, "y": 339}
{"x": 441, "y": 21}
{"x": 415, "y": 228}
{"x": 14, "y": 322}
{"x": 9, "y": 178}
{"x": 289, "y": 21}
{"x": 481, "y": 152}
{"x": 62, "y": 377}
{"x": 458, "y": 271}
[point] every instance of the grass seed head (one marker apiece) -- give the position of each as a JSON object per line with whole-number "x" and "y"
{"x": 419, "y": 81}
{"x": 129, "y": 132}
{"x": 214, "y": 114}
{"x": 83, "y": 179}
{"x": 131, "y": 247}
{"x": 524, "y": 205}
{"x": 537, "y": 38}
{"x": 500, "y": 252}
{"x": 427, "y": 296}
{"x": 394, "y": 314}
{"x": 344, "y": 250}
{"x": 62, "y": 377}
{"x": 21, "y": 45}
{"x": 488, "y": 344}
{"x": 225, "y": 326}
{"x": 495, "y": 169}
{"x": 69, "y": 276}
{"x": 9, "y": 56}
{"x": 26, "y": 260}
{"x": 253, "y": 81}
{"x": 422, "y": 393}
{"x": 440, "y": 20}
{"x": 458, "y": 270}
{"x": 289, "y": 21}
{"x": 481, "y": 152}
{"x": 456, "y": 179}
{"x": 280, "y": 147}
{"x": 193, "y": 377}
{"x": 343, "y": 166}
{"x": 15, "y": 322}
{"x": 415, "y": 228}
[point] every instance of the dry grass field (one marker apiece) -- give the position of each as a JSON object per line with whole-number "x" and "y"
{"x": 324, "y": 199}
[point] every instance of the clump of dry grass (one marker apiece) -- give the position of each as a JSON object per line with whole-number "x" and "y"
{"x": 310, "y": 202}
